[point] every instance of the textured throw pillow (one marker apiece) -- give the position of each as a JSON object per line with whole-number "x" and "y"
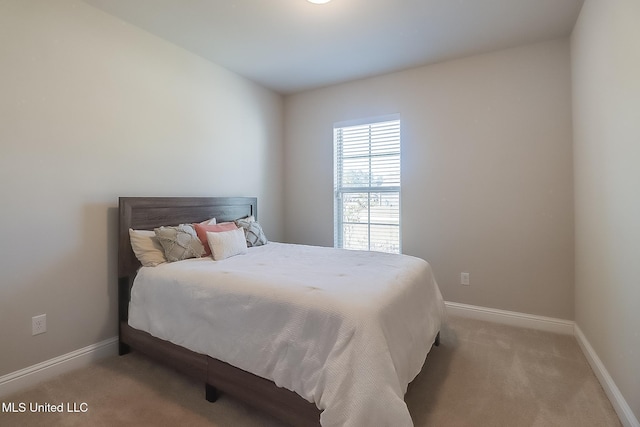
{"x": 202, "y": 230}
{"x": 225, "y": 244}
{"x": 249, "y": 218}
{"x": 147, "y": 248}
{"x": 254, "y": 234}
{"x": 179, "y": 242}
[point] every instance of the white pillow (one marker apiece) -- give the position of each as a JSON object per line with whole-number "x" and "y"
{"x": 147, "y": 248}
{"x": 225, "y": 244}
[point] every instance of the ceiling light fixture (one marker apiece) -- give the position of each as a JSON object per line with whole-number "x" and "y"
{"x": 319, "y": 1}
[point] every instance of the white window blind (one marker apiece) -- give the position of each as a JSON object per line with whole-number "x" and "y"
{"x": 367, "y": 185}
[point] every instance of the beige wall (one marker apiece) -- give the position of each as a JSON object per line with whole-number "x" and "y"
{"x": 487, "y": 179}
{"x": 605, "y": 51}
{"x": 92, "y": 109}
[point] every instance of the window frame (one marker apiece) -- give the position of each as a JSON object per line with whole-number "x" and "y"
{"x": 340, "y": 190}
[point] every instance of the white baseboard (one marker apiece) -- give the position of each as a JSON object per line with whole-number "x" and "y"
{"x": 627, "y": 418}
{"x": 28, "y": 377}
{"x": 568, "y": 327}
{"x": 512, "y": 318}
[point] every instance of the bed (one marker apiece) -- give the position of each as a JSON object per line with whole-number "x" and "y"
{"x": 347, "y": 377}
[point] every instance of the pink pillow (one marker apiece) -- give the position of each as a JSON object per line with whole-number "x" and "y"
{"x": 201, "y": 231}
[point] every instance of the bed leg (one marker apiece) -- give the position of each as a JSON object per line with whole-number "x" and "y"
{"x": 123, "y": 349}
{"x": 437, "y": 341}
{"x": 211, "y": 393}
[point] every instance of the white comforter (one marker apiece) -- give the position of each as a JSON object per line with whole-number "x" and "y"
{"x": 347, "y": 330}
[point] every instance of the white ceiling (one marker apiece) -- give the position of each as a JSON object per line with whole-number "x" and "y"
{"x": 293, "y": 45}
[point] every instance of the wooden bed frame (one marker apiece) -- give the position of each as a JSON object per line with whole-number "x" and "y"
{"x": 147, "y": 213}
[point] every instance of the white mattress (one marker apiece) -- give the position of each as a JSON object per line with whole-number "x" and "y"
{"x": 347, "y": 330}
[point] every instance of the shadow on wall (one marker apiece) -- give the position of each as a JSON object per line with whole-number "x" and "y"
{"x": 100, "y": 241}
{"x": 112, "y": 270}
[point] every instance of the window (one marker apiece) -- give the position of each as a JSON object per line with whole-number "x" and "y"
{"x": 367, "y": 185}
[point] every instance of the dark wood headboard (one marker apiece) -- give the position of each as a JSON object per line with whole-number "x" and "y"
{"x": 147, "y": 213}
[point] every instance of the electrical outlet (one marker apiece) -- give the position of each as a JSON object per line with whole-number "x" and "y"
{"x": 39, "y": 324}
{"x": 464, "y": 279}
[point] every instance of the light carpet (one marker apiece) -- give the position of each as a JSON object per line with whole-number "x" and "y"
{"x": 483, "y": 374}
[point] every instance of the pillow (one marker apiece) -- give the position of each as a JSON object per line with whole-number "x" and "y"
{"x": 252, "y": 231}
{"x": 180, "y": 242}
{"x": 225, "y": 244}
{"x": 201, "y": 231}
{"x": 249, "y": 218}
{"x": 206, "y": 222}
{"x": 147, "y": 248}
